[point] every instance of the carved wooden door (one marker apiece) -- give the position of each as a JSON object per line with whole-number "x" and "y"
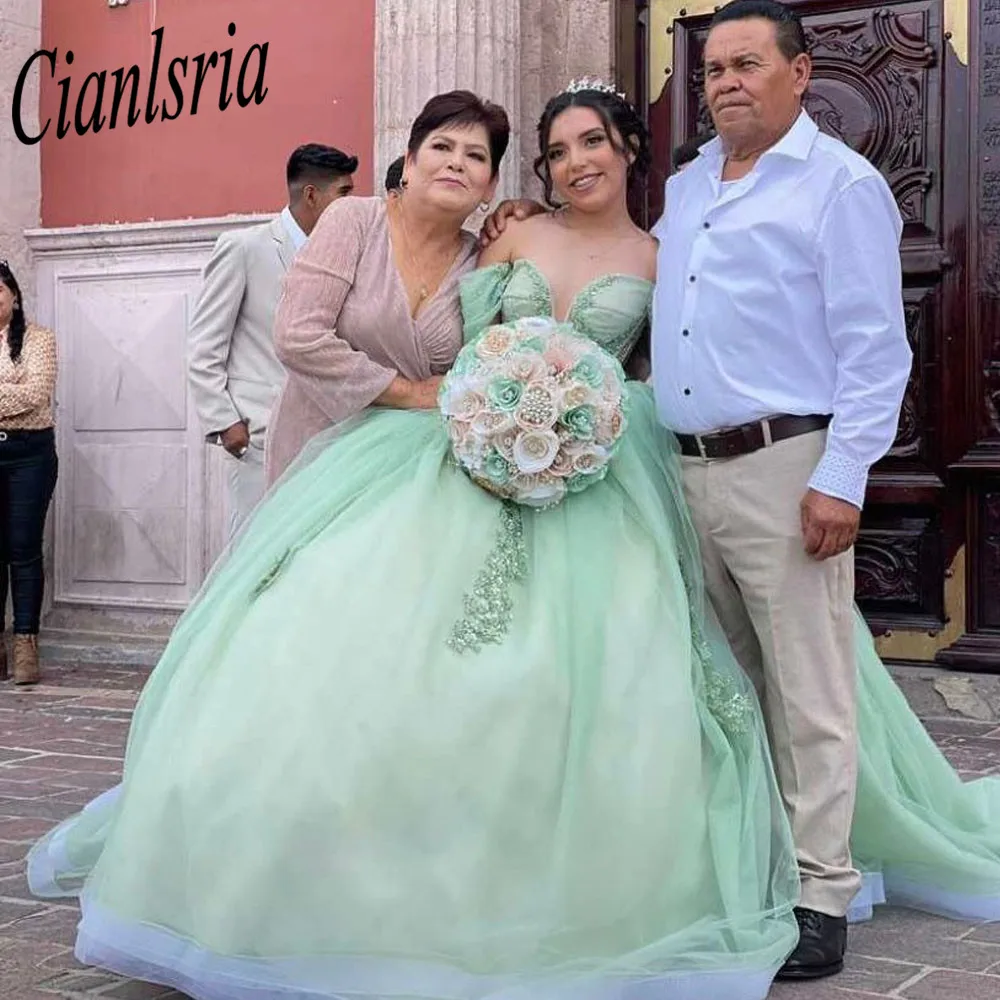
{"x": 879, "y": 84}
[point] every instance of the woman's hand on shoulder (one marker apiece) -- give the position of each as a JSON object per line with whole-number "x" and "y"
{"x": 504, "y": 248}
{"x": 520, "y": 238}
{"x": 512, "y": 210}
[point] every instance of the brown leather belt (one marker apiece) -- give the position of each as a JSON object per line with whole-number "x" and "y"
{"x": 748, "y": 438}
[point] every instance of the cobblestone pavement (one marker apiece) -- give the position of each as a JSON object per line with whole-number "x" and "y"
{"x": 61, "y": 744}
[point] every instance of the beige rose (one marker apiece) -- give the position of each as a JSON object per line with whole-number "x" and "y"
{"x": 577, "y": 395}
{"x": 491, "y": 422}
{"x": 562, "y": 464}
{"x": 609, "y": 427}
{"x": 589, "y": 458}
{"x": 504, "y": 442}
{"x": 462, "y": 403}
{"x": 527, "y": 367}
{"x": 493, "y": 343}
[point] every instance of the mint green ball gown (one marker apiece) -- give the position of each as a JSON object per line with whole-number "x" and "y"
{"x": 412, "y": 742}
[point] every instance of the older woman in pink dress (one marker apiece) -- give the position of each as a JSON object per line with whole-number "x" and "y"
{"x": 370, "y": 313}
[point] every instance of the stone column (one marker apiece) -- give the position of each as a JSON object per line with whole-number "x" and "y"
{"x": 560, "y": 41}
{"x": 20, "y": 179}
{"x": 425, "y": 47}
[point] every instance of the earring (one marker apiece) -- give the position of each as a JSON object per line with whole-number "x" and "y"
{"x": 484, "y": 205}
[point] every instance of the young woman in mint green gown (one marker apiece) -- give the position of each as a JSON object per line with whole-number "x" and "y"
{"x": 326, "y": 795}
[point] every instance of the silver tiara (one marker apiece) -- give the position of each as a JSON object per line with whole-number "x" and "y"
{"x": 593, "y": 83}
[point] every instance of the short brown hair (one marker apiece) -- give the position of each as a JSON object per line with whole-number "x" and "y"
{"x": 462, "y": 107}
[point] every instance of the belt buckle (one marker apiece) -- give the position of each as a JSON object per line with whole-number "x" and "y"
{"x": 701, "y": 447}
{"x": 765, "y": 428}
{"x": 3, "y": 435}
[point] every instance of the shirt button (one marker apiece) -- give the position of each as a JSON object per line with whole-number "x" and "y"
{"x": 685, "y": 333}
{"x": 692, "y": 278}
{"x": 706, "y": 225}
{"x": 687, "y": 392}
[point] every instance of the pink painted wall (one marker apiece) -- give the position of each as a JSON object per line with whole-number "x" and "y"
{"x": 319, "y": 80}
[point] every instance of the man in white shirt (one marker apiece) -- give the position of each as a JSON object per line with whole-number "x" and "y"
{"x": 232, "y": 368}
{"x": 780, "y": 359}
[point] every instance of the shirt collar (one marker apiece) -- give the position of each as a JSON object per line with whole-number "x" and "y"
{"x": 796, "y": 143}
{"x": 294, "y": 230}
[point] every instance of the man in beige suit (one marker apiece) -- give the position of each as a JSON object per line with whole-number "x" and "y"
{"x": 232, "y": 368}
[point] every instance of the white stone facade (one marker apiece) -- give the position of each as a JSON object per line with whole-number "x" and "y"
{"x": 139, "y": 513}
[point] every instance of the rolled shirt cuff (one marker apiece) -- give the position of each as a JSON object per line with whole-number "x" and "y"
{"x": 840, "y": 477}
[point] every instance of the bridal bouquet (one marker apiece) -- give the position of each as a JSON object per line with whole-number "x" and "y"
{"x": 534, "y": 411}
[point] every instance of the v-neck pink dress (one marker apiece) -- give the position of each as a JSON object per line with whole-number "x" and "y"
{"x": 343, "y": 328}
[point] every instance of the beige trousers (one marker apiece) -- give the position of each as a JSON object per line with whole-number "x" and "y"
{"x": 790, "y": 622}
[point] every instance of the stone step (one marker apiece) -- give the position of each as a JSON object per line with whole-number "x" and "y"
{"x": 109, "y": 649}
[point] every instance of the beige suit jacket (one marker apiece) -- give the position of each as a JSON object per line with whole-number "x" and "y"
{"x": 233, "y": 371}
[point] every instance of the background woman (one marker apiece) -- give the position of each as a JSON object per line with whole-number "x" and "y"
{"x": 28, "y": 469}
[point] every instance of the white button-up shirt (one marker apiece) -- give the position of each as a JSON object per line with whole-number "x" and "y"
{"x": 781, "y": 293}
{"x": 294, "y": 230}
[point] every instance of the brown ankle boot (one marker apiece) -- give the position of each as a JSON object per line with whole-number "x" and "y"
{"x": 26, "y": 669}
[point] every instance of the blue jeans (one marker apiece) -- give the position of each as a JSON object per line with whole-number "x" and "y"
{"x": 28, "y": 471}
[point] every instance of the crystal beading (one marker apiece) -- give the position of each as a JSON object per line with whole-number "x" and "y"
{"x": 489, "y": 606}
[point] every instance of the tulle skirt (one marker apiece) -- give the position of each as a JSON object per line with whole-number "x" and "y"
{"x": 412, "y": 742}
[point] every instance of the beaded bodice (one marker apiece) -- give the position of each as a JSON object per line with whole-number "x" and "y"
{"x": 611, "y": 310}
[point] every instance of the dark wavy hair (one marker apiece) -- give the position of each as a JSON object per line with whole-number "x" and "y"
{"x": 462, "y": 107}
{"x": 616, "y": 114}
{"x": 15, "y": 336}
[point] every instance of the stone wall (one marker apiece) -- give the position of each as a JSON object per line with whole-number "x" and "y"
{"x": 560, "y": 40}
{"x": 516, "y": 52}
{"x": 20, "y": 35}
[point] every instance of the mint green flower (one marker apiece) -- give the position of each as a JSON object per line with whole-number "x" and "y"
{"x": 465, "y": 363}
{"x": 579, "y": 482}
{"x": 504, "y": 393}
{"x": 496, "y": 468}
{"x": 581, "y": 421}
{"x": 532, "y": 344}
{"x": 588, "y": 371}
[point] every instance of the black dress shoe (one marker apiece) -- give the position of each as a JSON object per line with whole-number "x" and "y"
{"x": 820, "y": 951}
